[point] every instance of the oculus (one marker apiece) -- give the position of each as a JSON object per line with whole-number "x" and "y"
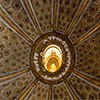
{"x": 52, "y": 58}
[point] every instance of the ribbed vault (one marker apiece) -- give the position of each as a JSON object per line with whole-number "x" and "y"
{"x": 22, "y": 22}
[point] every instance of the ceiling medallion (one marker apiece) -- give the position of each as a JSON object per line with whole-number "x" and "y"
{"x": 52, "y": 58}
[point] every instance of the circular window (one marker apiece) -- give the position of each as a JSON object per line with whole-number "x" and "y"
{"x": 52, "y": 58}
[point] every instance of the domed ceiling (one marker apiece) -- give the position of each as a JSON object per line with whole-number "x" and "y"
{"x": 28, "y": 69}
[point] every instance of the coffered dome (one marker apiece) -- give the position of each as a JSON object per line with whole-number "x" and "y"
{"x": 49, "y": 49}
